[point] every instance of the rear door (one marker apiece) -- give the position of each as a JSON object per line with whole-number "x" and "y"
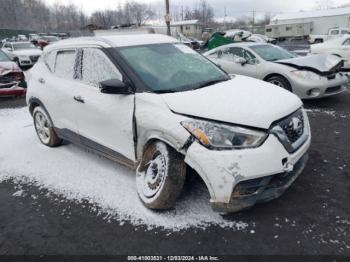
{"x": 58, "y": 88}
{"x": 105, "y": 121}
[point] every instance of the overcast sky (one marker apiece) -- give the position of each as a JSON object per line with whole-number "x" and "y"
{"x": 233, "y": 7}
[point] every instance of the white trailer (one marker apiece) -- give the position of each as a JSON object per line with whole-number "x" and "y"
{"x": 308, "y": 23}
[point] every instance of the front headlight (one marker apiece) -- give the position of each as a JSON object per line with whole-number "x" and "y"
{"x": 307, "y": 75}
{"x": 221, "y": 136}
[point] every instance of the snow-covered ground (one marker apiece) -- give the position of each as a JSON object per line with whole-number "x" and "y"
{"x": 79, "y": 175}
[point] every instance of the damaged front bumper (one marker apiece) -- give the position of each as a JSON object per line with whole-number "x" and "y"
{"x": 238, "y": 179}
{"x": 260, "y": 190}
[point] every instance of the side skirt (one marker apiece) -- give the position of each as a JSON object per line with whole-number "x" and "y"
{"x": 97, "y": 148}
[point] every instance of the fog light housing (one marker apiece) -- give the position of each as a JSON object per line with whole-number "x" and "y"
{"x": 313, "y": 92}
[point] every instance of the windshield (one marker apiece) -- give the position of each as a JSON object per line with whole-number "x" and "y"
{"x": 272, "y": 53}
{"x": 172, "y": 67}
{"x": 21, "y": 46}
{"x": 3, "y": 57}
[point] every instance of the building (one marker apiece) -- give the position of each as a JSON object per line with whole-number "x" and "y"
{"x": 188, "y": 28}
{"x": 308, "y": 23}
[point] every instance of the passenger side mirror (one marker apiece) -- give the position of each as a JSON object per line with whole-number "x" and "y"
{"x": 115, "y": 86}
{"x": 239, "y": 60}
{"x": 15, "y": 59}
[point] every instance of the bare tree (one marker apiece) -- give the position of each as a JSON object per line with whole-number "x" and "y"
{"x": 324, "y": 4}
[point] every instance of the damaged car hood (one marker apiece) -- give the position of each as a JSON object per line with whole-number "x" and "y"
{"x": 6, "y": 67}
{"x": 242, "y": 100}
{"x": 321, "y": 64}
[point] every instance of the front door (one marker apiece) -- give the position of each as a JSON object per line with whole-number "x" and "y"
{"x": 227, "y": 61}
{"x": 104, "y": 120}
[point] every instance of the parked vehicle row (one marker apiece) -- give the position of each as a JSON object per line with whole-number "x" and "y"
{"x": 155, "y": 105}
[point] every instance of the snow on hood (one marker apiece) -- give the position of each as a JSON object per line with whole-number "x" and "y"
{"x": 27, "y": 52}
{"x": 6, "y": 67}
{"x": 242, "y": 100}
{"x": 320, "y": 64}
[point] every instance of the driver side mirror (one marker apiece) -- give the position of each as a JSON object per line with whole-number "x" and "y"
{"x": 240, "y": 60}
{"x": 15, "y": 59}
{"x": 115, "y": 86}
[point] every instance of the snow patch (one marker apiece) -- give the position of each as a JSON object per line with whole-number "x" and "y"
{"x": 80, "y": 176}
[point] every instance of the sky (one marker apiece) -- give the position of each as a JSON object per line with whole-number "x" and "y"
{"x": 233, "y": 7}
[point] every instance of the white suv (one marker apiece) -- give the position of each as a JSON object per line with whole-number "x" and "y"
{"x": 155, "y": 105}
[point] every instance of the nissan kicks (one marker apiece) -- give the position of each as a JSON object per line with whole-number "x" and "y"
{"x": 155, "y": 105}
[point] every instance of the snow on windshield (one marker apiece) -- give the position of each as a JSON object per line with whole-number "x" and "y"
{"x": 173, "y": 67}
{"x": 78, "y": 175}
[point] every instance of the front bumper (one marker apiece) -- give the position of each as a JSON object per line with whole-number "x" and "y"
{"x": 223, "y": 171}
{"x": 322, "y": 88}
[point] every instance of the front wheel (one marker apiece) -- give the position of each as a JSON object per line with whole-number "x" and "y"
{"x": 44, "y": 128}
{"x": 160, "y": 176}
{"x": 280, "y": 81}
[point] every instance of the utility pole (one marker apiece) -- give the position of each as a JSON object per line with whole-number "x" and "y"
{"x": 253, "y": 23}
{"x": 167, "y": 16}
{"x": 225, "y": 14}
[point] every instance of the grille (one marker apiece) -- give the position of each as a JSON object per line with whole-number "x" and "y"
{"x": 333, "y": 89}
{"x": 293, "y": 126}
{"x": 34, "y": 58}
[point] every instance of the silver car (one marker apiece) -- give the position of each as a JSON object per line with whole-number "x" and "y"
{"x": 308, "y": 77}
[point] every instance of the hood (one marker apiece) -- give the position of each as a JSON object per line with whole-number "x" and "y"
{"x": 27, "y": 52}
{"x": 7, "y": 67}
{"x": 242, "y": 100}
{"x": 321, "y": 64}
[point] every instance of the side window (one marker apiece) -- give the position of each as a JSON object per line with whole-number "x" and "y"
{"x": 97, "y": 67}
{"x": 50, "y": 59}
{"x": 65, "y": 64}
{"x": 335, "y": 32}
{"x": 344, "y": 32}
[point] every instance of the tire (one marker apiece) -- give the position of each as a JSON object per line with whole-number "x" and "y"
{"x": 280, "y": 81}
{"x": 44, "y": 128}
{"x": 160, "y": 176}
{"x": 318, "y": 41}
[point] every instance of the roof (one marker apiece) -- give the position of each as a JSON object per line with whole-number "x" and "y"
{"x": 115, "y": 40}
{"x": 313, "y": 14}
{"x": 185, "y": 22}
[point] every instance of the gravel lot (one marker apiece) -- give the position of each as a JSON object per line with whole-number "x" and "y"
{"x": 311, "y": 218}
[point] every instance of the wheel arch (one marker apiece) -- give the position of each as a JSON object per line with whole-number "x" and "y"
{"x": 279, "y": 75}
{"x": 34, "y": 102}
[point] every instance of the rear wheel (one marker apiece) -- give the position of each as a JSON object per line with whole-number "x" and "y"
{"x": 160, "y": 176}
{"x": 280, "y": 81}
{"x": 44, "y": 128}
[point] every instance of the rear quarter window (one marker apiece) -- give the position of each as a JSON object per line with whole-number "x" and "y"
{"x": 65, "y": 64}
{"x": 50, "y": 60}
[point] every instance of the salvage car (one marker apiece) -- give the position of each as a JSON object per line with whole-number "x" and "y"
{"x": 307, "y": 77}
{"x": 27, "y": 53}
{"x": 12, "y": 80}
{"x": 246, "y": 140}
{"x": 339, "y": 47}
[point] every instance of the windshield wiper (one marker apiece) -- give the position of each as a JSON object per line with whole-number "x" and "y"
{"x": 209, "y": 83}
{"x": 164, "y": 91}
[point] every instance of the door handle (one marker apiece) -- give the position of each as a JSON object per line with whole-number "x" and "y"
{"x": 41, "y": 80}
{"x": 79, "y": 99}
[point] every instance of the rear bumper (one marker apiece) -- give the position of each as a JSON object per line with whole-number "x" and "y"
{"x": 251, "y": 192}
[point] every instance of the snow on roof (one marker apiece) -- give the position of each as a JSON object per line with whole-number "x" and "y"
{"x": 115, "y": 40}
{"x": 185, "y": 22}
{"x": 311, "y": 14}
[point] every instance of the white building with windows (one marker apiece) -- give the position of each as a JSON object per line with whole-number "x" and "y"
{"x": 188, "y": 27}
